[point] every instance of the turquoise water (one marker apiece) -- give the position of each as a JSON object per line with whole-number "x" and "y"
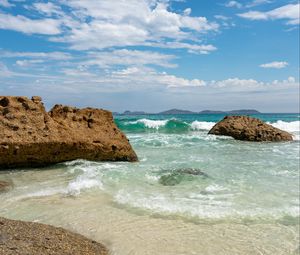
{"x": 244, "y": 180}
{"x": 185, "y": 182}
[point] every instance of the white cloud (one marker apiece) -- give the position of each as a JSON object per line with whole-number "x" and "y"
{"x": 275, "y": 64}
{"x": 30, "y": 26}
{"x": 4, "y": 71}
{"x": 187, "y": 11}
{"x": 48, "y": 8}
{"x": 258, "y": 2}
{"x": 54, "y": 55}
{"x": 192, "y": 48}
{"x": 253, "y": 3}
{"x": 5, "y": 3}
{"x": 105, "y": 59}
{"x": 108, "y": 23}
{"x": 97, "y": 25}
{"x": 290, "y": 12}
{"x": 26, "y": 63}
{"x": 234, "y": 4}
{"x": 237, "y": 85}
{"x": 221, "y": 17}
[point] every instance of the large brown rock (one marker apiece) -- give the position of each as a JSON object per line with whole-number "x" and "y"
{"x": 29, "y": 136}
{"x": 249, "y": 129}
{"x": 20, "y": 237}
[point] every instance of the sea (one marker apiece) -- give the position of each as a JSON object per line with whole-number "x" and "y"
{"x": 190, "y": 193}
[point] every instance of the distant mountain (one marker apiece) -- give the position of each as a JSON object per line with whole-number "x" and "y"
{"x": 134, "y": 113}
{"x": 242, "y": 111}
{"x": 176, "y": 111}
{"x": 211, "y": 112}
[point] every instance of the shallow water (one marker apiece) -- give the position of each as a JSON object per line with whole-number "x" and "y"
{"x": 246, "y": 203}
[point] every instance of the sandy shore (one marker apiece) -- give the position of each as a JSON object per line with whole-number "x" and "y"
{"x": 19, "y": 237}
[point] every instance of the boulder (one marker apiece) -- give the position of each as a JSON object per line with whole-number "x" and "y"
{"x": 31, "y": 137}
{"x": 20, "y": 237}
{"x": 249, "y": 129}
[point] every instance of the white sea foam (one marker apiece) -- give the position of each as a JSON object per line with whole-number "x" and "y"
{"x": 208, "y": 207}
{"x": 81, "y": 183}
{"x": 202, "y": 125}
{"x": 156, "y": 124}
{"x": 293, "y": 126}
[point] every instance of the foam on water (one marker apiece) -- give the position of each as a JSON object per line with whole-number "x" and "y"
{"x": 293, "y": 126}
{"x": 82, "y": 183}
{"x": 156, "y": 124}
{"x": 203, "y": 206}
{"x": 202, "y": 125}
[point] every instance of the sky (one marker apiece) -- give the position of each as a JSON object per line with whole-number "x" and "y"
{"x": 152, "y": 55}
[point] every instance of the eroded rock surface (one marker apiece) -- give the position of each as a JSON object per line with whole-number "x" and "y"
{"x": 249, "y": 129}
{"x": 19, "y": 237}
{"x": 29, "y": 136}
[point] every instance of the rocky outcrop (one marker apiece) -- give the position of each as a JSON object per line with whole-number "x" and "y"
{"x": 249, "y": 129}
{"x": 19, "y": 237}
{"x": 30, "y": 137}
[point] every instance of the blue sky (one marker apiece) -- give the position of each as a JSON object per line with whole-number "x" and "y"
{"x": 152, "y": 55}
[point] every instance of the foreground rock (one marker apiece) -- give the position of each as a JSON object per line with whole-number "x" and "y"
{"x": 249, "y": 129}
{"x": 18, "y": 237}
{"x": 29, "y": 136}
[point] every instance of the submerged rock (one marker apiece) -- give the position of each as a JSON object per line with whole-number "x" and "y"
{"x": 5, "y": 186}
{"x": 30, "y": 137}
{"x": 249, "y": 129}
{"x": 19, "y": 237}
{"x": 179, "y": 175}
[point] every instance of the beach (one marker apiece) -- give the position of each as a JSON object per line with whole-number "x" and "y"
{"x": 190, "y": 193}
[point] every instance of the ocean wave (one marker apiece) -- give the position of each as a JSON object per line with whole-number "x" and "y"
{"x": 169, "y": 125}
{"x": 176, "y": 126}
{"x": 293, "y": 126}
{"x": 156, "y": 124}
{"x": 214, "y": 204}
{"x": 202, "y": 125}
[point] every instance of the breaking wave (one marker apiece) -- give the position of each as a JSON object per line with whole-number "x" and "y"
{"x": 176, "y": 126}
{"x": 293, "y": 126}
{"x": 168, "y": 126}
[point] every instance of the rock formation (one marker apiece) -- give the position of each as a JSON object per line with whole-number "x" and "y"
{"x": 19, "y": 237}
{"x": 249, "y": 129}
{"x": 30, "y": 137}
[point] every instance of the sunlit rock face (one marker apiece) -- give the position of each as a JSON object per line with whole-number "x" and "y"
{"x": 30, "y": 136}
{"x": 249, "y": 129}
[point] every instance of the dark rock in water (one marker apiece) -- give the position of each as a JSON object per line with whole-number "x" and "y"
{"x": 5, "y": 186}
{"x": 31, "y": 137}
{"x": 249, "y": 129}
{"x": 192, "y": 171}
{"x": 171, "y": 179}
{"x": 179, "y": 175}
{"x": 19, "y": 237}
